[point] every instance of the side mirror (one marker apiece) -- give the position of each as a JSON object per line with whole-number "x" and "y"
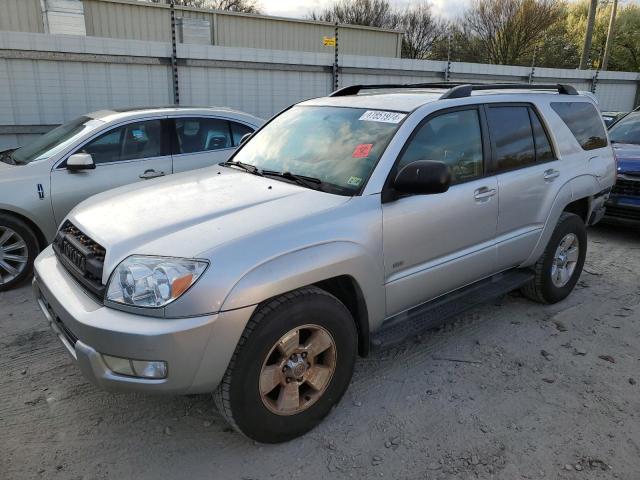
{"x": 423, "y": 177}
{"x": 80, "y": 161}
{"x": 245, "y": 137}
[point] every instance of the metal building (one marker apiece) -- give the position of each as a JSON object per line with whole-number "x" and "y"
{"x": 139, "y": 20}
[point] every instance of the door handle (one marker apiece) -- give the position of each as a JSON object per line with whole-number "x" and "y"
{"x": 551, "y": 174}
{"x": 484, "y": 193}
{"x": 151, "y": 174}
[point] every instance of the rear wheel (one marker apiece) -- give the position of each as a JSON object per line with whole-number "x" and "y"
{"x": 559, "y": 268}
{"x": 18, "y": 249}
{"x": 292, "y": 364}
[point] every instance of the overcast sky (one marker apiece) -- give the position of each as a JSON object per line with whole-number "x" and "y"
{"x": 299, "y": 8}
{"x": 448, "y": 9}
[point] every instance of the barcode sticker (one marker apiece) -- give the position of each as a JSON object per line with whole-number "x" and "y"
{"x": 382, "y": 116}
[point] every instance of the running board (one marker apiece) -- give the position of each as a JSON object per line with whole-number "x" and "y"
{"x": 432, "y": 314}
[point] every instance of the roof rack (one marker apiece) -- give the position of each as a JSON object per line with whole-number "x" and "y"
{"x": 457, "y": 90}
{"x": 461, "y": 91}
{"x": 355, "y": 89}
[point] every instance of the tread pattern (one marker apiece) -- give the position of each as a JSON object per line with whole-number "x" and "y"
{"x": 222, "y": 396}
{"x": 533, "y": 289}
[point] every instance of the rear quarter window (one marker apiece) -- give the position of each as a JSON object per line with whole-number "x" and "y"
{"x": 584, "y": 121}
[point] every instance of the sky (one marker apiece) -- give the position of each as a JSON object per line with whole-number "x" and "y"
{"x": 448, "y": 9}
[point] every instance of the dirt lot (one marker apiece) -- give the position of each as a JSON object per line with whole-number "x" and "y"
{"x": 511, "y": 391}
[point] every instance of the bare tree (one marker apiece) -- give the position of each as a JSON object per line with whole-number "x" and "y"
{"x": 508, "y": 30}
{"x": 422, "y": 30}
{"x": 243, "y": 6}
{"x": 372, "y": 13}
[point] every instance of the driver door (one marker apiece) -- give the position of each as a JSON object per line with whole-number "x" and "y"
{"x": 433, "y": 244}
{"x": 126, "y": 154}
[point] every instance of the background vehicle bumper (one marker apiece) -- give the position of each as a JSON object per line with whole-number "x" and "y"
{"x": 622, "y": 208}
{"x": 196, "y": 349}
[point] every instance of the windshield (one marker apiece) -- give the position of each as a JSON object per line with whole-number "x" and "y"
{"x": 339, "y": 146}
{"x": 626, "y": 130}
{"x": 54, "y": 141}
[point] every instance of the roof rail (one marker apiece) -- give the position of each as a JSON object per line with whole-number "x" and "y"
{"x": 355, "y": 89}
{"x": 461, "y": 91}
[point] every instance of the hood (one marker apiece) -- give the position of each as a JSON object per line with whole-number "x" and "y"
{"x": 628, "y": 156}
{"x": 187, "y": 214}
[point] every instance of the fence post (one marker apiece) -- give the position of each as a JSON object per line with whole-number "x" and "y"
{"x": 447, "y": 71}
{"x": 594, "y": 82}
{"x": 335, "y": 59}
{"x": 174, "y": 55}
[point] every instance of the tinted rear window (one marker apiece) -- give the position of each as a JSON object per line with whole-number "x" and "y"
{"x": 511, "y": 130}
{"x": 584, "y": 122}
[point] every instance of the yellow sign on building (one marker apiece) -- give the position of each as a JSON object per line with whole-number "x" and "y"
{"x": 329, "y": 41}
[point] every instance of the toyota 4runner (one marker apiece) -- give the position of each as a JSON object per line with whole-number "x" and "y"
{"x": 346, "y": 222}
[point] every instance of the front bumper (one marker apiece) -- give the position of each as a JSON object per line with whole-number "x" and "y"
{"x": 197, "y": 349}
{"x": 623, "y": 208}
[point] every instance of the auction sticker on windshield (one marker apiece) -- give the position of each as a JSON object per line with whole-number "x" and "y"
{"x": 382, "y": 116}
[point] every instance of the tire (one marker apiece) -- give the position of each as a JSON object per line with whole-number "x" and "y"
{"x": 254, "y": 413}
{"x": 17, "y": 241}
{"x": 543, "y": 288}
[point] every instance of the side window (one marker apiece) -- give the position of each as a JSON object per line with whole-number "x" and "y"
{"x": 512, "y": 136}
{"x": 202, "y": 134}
{"x": 454, "y": 138}
{"x": 544, "y": 152}
{"x": 238, "y": 131}
{"x": 128, "y": 142}
{"x": 584, "y": 121}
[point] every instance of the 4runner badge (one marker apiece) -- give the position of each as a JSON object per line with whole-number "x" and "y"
{"x": 40, "y": 192}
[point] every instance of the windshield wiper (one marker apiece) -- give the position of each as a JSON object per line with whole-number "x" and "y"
{"x": 245, "y": 166}
{"x": 302, "y": 180}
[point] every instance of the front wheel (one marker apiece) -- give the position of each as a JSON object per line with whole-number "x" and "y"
{"x": 559, "y": 268}
{"x": 18, "y": 250}
{"x": 292, "y": 364}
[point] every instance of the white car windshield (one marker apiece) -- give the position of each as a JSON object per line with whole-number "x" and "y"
{"x": 55, "y": 140}
{"x": 337, "y": 146}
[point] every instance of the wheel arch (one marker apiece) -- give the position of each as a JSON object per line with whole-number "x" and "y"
{"x": 42, "y": 241}
{"x": 343, "y": 269}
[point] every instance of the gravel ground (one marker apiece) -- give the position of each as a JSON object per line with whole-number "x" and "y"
{"x": 512, "y": 390}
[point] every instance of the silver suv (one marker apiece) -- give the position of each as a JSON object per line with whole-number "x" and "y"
{"x": 345, "y": 222}
{"x": 42, "y": 181}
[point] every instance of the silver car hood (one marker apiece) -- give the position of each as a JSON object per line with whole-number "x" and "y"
{"x": 187, "y": 214}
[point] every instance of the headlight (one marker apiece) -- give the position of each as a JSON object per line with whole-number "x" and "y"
{"x": 152, "y": 281}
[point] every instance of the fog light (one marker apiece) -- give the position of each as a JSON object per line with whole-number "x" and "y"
{"x": 136, "y": 368}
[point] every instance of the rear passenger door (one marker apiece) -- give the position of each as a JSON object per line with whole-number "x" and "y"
{"x": 204, "y": 141}
{"x": 528, "y": 172}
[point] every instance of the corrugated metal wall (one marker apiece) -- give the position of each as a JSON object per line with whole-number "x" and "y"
{"x": 135, "y": 21}
{"x": 21, "y": 16}
{"x": 139, "y": 21}
{"x": 46, "y": 80}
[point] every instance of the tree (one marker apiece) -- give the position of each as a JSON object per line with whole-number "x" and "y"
{"x": 243, "y": 6}
{"x": 422, "y": 30}
{"x": 372, "y": 13}
{"x": 625, "y": 51}
{"x": 509, "y": 30}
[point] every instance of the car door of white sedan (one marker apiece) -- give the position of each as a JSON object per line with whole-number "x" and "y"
{"x": 128, "y": 153}
{"x": 205, "y": 141}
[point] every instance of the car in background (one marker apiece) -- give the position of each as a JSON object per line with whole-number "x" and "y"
{"x": 612, "y": 117}
{"x": 42, "y": 181}
{"x": 624, "y": 202}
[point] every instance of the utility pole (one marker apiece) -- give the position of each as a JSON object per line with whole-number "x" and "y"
{"x": 610, "y": 34}
{"x": 586, "y": 50}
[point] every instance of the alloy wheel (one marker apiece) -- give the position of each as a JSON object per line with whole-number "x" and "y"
{"x": 565, "y": 260}
{"x": 297, "y": 370}
{"x": 14, "y": 254}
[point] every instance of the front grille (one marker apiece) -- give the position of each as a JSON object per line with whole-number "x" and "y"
{"x": 81, "y": 256}
{"x": 627, "y": 187}
{"x": 623, "y": 213}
